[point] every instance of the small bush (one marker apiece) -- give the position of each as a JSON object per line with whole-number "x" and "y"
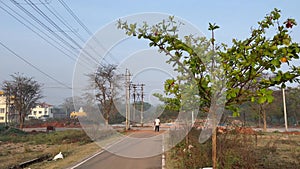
{"x": 6, "y": 130}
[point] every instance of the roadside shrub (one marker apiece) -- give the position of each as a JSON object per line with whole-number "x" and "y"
{"x": 236, "y": 151}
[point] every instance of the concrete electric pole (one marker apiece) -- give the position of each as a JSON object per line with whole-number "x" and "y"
{"x": 127, "y": 86}
{"x": 284, "y": 109}
{"x": 142, "y": 105}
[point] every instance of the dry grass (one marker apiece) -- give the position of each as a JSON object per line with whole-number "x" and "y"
{"x": 266, "y": 151}
{"x": 15, "y": 153}
{"x": 17, "y": 147}
{"x": 277, "y": 150}
{"x": 73, "y": 155}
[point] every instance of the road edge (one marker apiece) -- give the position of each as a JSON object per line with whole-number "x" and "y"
{"x": 163, "y": 157}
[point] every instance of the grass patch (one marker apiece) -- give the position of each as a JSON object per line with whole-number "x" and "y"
{"x": 75, "y": 154}
{"x": 17, "y": 146}
{"x": 59, "y": 137}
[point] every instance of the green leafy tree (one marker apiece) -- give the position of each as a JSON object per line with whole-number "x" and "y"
{"x": 239, "y": 68}
{"x": 25, "y": 92}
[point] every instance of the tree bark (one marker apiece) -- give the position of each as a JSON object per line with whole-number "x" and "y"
{"x": 214, "y": 137}
{"x": 20, "y": 121}
{"x": 264, "y": 118}
{"x": 214, "y": 148}
{"x": 106, "y": 121}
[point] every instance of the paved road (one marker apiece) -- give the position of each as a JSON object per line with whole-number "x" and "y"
{"x": 141, "y": 150}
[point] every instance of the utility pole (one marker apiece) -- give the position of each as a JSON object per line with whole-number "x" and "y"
{"x": 127, "y": 99}
{"x": 138, "y": 97}
{"x": 284, "y": 110}
{"x": 134, "y": 101}
{"x": 142, "y": 105}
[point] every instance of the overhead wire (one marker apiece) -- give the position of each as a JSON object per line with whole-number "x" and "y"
{"x": 27, "y": 26}
{"x": 63, "y": 49}
{"x": 86, "y": 29}
{"x": 33, "y": 66}
{"x": 49, "y": 20}
{"x": 39, "y": 34}
{"x": 65, "y": 43}
{"x": 64, "y": 22}
{"x": 44, "y": 26}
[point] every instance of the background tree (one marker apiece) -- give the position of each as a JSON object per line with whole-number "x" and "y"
{"x": 68, "y": 106}
{"x": 243, "y": 64}
{"x": 26, "y": 93}
{"x": 293, "y": 106}
{"x": 274, "y": 111}
{"x": 105, "y": 81}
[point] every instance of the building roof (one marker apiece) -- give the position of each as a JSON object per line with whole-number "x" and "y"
{"x": 44, "y": 105}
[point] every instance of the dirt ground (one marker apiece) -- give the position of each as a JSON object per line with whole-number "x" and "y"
{"x": 18, "y": 146}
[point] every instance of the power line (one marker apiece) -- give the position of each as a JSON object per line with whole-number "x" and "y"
{"x": 31, "y": 27}
{"x": 43, "y": 25}
{"x": 24, "y": 24}
{"x": 49, "y": 30}
{"x": 86, "y": 29}
{"x": 46, "y": 2}
{"x": 49, "y": 20}
{"x": 60, "y": 18}
{"x": 30, "y": 64}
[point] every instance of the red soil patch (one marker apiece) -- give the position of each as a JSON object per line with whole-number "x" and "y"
{"x": 239, "y": 130}
{"x": 291, "y": 132}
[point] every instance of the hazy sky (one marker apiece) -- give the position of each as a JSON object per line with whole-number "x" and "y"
{"x": 235, "y": 18}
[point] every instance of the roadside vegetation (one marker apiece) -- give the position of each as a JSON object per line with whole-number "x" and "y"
{"x": 238, "y": 150}
{"x": 17, "y": 146}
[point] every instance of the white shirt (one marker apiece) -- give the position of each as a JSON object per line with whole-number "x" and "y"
{"x": 157, "y": 121}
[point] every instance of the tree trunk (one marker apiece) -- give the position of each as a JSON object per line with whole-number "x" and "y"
{"x": 20, "y": 121}
{"x": 214, "y": 148}
{"x": 6, "y": 118}
{"x": 214, "y": 137}
{"x": 106, "y": 121}
{"x": 259, "y": 116}
{"x": 187, "y": 136}
{"x": 264, "y": 120}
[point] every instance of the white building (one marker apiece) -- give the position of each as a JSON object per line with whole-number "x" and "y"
{"x": 42, "y": 110}
{"x": 6, "y": 110}
{"x": 2, "y": 108}
{"x": 7, "y": 113}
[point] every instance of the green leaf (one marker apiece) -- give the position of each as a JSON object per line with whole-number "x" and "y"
{"x": 212, "y": 27}
{"x": 270, "y": 98}
{"x": 262, "y": 100}
{"x": 236, "y": 114}
{"x": 275, "y": 62}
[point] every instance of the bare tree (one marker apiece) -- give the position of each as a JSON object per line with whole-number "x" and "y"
{"x": 105, "y": 83}
{"x": 25, "y": 91}
{"x": 68, "y": 105}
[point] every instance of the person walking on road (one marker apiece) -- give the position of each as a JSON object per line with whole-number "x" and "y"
{"x": 156, "y": 124}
